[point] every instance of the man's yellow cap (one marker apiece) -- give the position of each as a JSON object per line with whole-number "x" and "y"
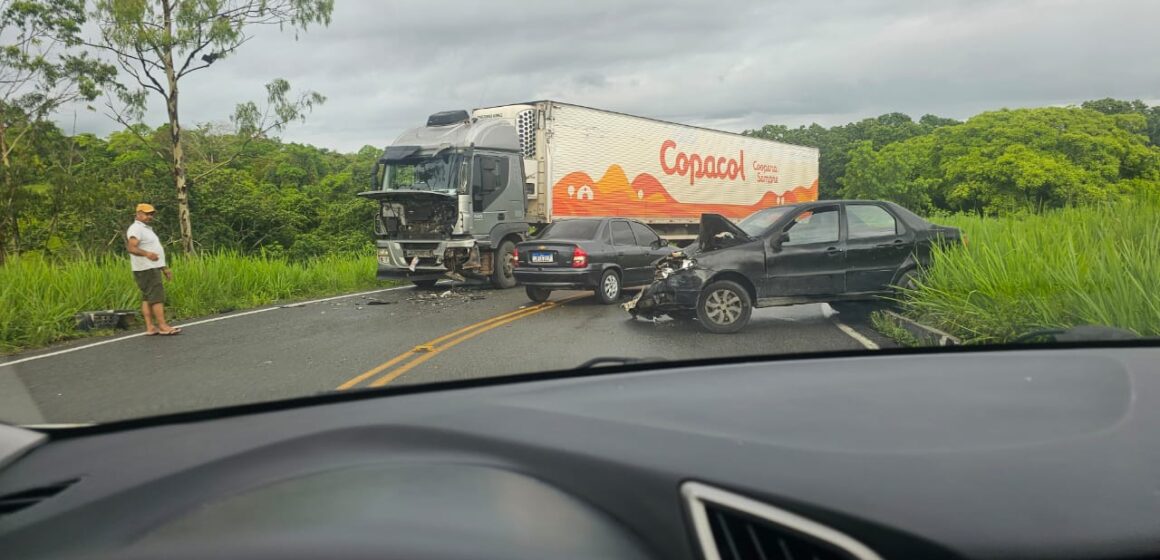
{"x": 143, "y": 207}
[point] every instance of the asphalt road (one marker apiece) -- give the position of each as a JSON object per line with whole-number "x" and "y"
{"x": 395, "y": 337}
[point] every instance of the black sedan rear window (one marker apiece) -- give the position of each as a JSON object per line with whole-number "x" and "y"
{"x": 571, "y": 229}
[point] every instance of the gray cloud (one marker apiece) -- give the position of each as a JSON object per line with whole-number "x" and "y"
{"x": 728, "y": 64}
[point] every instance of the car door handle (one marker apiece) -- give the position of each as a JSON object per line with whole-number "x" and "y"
{"x": 894, "y": 243}
{"x": 831, "y": 251}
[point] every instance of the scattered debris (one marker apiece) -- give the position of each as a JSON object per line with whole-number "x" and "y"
{"x": 107, "y": 319}
{"x": 372, "y": 301}
{"x": 448, "y": 297}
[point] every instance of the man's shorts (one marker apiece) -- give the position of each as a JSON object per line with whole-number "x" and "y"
{"x": 152, "y": 290}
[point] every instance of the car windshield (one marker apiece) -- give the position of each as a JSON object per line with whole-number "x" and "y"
{"x": 759, "y": 222}
{"x": 570, "y": 229}
{"x": 212, "y": 204}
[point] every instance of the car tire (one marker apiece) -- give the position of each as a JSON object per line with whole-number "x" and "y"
{"x": 424, "y": 284}
{"x": 537, "y": 294}
{"x": 502, "y": 275}
{"x": 908, "y": 281}
{"x": 608, "y": 290}
{"x": 724, "y": 307}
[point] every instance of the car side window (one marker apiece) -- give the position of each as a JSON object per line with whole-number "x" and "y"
{"x": 868, "y": 220}
{"x": 621, "y": 234}
{"x": 819, "y": 225}
{"x": 644, "y": 234}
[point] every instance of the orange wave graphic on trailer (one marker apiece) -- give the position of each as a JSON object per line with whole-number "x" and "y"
{"x": 576, "y": 194}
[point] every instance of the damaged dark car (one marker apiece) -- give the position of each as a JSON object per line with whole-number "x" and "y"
{"x": 825, "y": 251}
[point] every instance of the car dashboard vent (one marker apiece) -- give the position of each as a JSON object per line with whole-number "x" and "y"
{"x": 16, "y": 501}
{"x": 732, "y": 527}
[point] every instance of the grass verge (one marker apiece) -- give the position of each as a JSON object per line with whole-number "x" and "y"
{"x": 38, "y": 298}
{"x": 1076, "y": 266}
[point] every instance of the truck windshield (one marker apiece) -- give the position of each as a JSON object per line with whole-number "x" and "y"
{"x": 429, "y": 173}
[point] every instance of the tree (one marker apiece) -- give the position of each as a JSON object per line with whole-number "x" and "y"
{"x": 1005, "y": 161}
{"x": 160, "y": 42}
{"x": 40, "y": 70}
{"x": 835, "y": 144}
{"x": 1109, "y": 106}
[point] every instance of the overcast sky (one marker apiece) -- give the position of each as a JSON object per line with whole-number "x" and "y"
{"x": 385, "y": 65}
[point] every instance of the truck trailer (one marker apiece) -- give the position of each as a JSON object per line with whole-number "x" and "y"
{"x": 457, "y": 194}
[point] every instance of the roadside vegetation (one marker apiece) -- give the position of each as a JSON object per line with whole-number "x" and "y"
{"x": 1088, "y": 265}
{"x": 39, "y": 297}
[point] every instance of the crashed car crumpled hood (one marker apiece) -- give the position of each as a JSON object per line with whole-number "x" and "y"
{"x": 717, "y": 232}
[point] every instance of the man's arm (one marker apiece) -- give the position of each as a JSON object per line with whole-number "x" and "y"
{"x": 133, "y": 249}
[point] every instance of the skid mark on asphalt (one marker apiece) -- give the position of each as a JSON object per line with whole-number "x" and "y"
{"x": 410, "y": 359}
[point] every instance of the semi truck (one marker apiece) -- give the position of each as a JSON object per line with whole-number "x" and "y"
{"x": 456, "y": 195}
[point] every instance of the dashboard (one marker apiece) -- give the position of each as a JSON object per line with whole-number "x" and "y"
{"x": 1028, "y": 453}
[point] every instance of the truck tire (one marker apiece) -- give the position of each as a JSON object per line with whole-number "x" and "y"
{"x": 608, "y": 290}
{"x": 502, "y": 276}
{"x": 537, "y": 294}
{"x": 724, "y": 307}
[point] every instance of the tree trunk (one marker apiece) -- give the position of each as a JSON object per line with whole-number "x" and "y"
{"x": 9, "y": 190}
{"x": 179, "y": 180}
{"x": 178, "y": 160}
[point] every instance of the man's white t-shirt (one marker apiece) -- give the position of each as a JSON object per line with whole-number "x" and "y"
{"x": 146, "y": 241}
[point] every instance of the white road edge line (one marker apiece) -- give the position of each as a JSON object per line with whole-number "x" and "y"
{"x": 869, "y": 344}
{"x": 195, "y": 323}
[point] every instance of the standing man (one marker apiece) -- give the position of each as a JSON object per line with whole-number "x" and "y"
{"x": 148, "y": 260}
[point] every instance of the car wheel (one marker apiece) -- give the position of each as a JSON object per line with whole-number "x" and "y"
{"x": 502, "y": 275}
{"x": 538, "y": 295}
{"x": 908, "y": 281}
{"x": 609, "y": 288}
{"x": 724, "y": 307}
{"x": 424, "y": 284}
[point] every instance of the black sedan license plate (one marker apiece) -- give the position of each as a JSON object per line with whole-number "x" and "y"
{"x": 542, "y": 257}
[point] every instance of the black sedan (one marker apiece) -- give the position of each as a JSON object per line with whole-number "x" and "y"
{"x": 823, "y": 251}
{"x": 600, "y": 254}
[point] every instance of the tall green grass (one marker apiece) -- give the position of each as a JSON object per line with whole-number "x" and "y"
{"x": 38, "y": 297}
{"x": 1075, "y": 266}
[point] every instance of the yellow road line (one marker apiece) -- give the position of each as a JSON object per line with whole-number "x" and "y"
{"x": 379, "y": 368}
{"x": 427, "y": 350}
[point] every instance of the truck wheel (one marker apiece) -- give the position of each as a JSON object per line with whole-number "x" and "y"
{"x": 609, "y": 288}
{"x": 424, "y": 284}
{"x": 538, "y": 295}
{"x": 724, "y": 307}
{"x": 502, "y": 276}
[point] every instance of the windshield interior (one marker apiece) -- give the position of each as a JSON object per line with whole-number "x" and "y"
{"x": 209, "y": 204}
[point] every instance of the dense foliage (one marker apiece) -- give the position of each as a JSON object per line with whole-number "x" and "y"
{"x": 277, "y": 198}
{"x": 994, "y": 163}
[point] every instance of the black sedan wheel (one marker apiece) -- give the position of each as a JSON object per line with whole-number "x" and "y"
{"x": 724, "y": 307}
{"x": 609, "y": 289}
{"x": 538, "y": 295}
